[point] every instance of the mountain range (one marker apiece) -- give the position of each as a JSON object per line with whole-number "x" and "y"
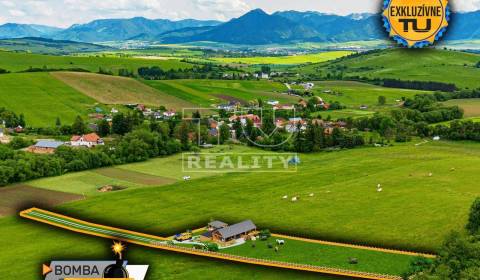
{"x": 254, "y": 28}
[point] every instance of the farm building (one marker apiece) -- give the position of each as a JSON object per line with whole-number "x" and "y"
{"x": 87, "y": 140}
{"x": 215, "y": 225}
{"x": 235, "y": 231}
{"x": 45, "y": 147}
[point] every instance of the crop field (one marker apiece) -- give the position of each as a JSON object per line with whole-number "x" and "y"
{"x": 285, "y": 60}
{"x": 15, "y": 197}
{"x": 20, "y": 61}
{"x": 345, "y": 206}
{"x": 423, "y": 65}
{"x": 35, "y": 94}
{"x": 344, "y": 114}
{"x": 355, "y": 94}
{"x": 135, "y": 177}
{"x": 208, "y": 92}
{"x": 470, "y": 106}
{"x": 119, "y": 90}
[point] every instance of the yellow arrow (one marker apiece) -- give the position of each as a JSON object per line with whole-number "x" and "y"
{"x": 46, "y": 269}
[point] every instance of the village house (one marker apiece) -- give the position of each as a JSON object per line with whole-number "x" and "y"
{"x": 114, "y": 111}
{"x": 4, "y": 139}
{"x": 257, "y": 122}
{"x": 233, "y": 232}
{"x": 87, "y": 140}
{"x": 284, "y": 107}
{"x": 273, "y": 102}
{"x": 308, "y": 86}
{"x": 216, "y": 225}
{"x": 303, "y": 103}
{"x": 45, "y": 147}
{"x": 140, "y": 107}
{"x": 280, "y": 122}
{"x": 294, "y": 124}
{"x": 169, "y": 114}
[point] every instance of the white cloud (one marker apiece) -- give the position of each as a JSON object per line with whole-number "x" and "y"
{"x": 67, "y": 12}
{"x": 466, "y": 5}
{"x": 222, "y": 9}
{"x": 16, "y": 13}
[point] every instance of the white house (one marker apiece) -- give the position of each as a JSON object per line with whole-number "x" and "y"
{"x": 265, "y": 76}
{"x": 273, "y": 102}
{"x": 1, "y": 132}
{"x": 114, "y": 111}
{"x": 88, "y": 140}
{"x": 169, "y": 114}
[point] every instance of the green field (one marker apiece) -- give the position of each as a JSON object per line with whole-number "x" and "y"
{"x": 295, "y": 251}
{"x": 355, "y": 94}
{"x": 20, "y": 61}
{"x": 208, "y": 92}
{"x": 119, "y": 90}
{"x": 285, "y": 60}
{"x": 415, "y": 211}
{"x": 470, "y": 106}
{"x": 422, "y": 64}
{"x": 36, "y": 94}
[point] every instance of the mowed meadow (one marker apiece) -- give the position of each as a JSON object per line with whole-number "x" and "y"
{"x": 420, "y": 65}
{"x": 415, "y": 211}
{"x": 209, "y": 92}
{"x": 285, "y": 60}
{"x": 15, "y": 62}
{"x": 42, "y": 98}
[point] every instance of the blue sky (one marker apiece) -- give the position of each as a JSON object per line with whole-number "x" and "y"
{"x": 64, "y": 13}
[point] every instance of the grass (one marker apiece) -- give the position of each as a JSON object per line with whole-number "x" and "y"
{"x": 295, "y": 251}
{"x": 422, "y": 64}
{"x": 470, "y": 106}
{"x": 343, "y": 114}
{"x": 286, "y": 60}
{"x": 346, "y": 206}
{"x": 83, "y": 183}
{"x": 36, "y": 94}
{"x": 119, "y": 90}
{"x": 355, "y": 94}
{"x": 21, "y": 61}
{"x": 16, "y": 197}
{"x": 208, "y": 92}
{"x": 160, "y": 171}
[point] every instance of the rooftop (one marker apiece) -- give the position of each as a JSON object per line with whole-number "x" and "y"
{"x": 48, "y": 144}
{"x": 237, "y": 229}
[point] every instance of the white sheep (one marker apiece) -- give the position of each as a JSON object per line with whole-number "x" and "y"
{"x": 187, "y": 178}
{"x": 379, "y": 190}
{"x": 312, "y": 195}
{"x": 285, "y": 197}
{"x": 294, "y": 199}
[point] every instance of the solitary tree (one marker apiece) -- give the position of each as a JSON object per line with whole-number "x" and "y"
{"x": 79, "y": 127}
{"x": 382, "y": 100}
{"x": 473, "y": 225}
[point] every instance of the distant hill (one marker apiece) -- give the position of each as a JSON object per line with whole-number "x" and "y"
{"x": 125, "y": 29}
{"x": 14, "y": 30}
{"x": 48, "y": 46}
{"x": 356, "y": 27}
{"x": 415, "y": 65}
{"x": 254, "y": 28}
{"x": 464, "y": 26}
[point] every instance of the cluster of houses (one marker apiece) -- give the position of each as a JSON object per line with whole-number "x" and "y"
{"x": 79, "y": 141}
{"x": 157, "y": 114}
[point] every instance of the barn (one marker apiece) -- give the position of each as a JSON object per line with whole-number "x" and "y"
{"x": 235, "y": 231}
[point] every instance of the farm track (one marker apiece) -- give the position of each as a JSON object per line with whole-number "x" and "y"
{"x": 157, "y": 242}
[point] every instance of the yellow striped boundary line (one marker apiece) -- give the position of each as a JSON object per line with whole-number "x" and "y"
{"x": 221, "y": 256}
{"x": 370, "y": 248}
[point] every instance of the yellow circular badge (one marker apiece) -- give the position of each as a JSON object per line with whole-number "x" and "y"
{"x": 416, "y": 23}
